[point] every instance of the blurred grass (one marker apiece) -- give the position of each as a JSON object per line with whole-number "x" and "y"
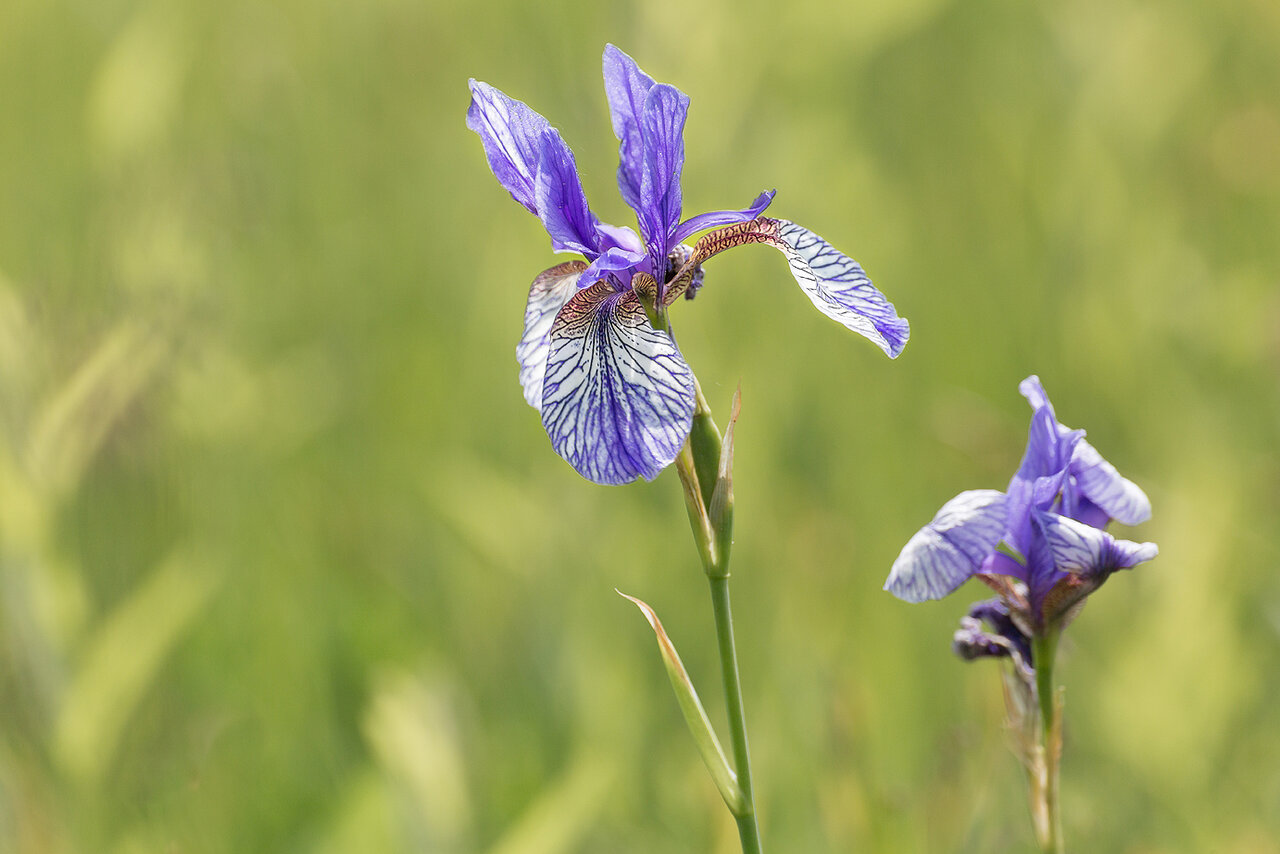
{"x": 286, "y": 564}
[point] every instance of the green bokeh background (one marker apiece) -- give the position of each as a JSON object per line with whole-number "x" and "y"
{"x": 287, "y": 564}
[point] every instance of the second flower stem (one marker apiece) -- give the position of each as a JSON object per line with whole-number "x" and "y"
{"x": 1045, "y": 795}
{"x": 748, "y": 830}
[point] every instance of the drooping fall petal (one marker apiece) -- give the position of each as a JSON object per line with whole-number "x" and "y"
{"x": 945, "y": 553}
{"x": 1085, "y": 550}
{"x": 833, "y": 281}
{"x": 547, "y": 295}
{"x": 617, "y": 398}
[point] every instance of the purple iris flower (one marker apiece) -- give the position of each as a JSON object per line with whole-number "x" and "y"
{"x": 1041, "y": 542}
{"x": 615, "y": 395}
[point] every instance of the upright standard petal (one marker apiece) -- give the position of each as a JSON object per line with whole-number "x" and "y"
{"x": 944, "y": 553}
{"x": 547, "y": 295}
{"x": 512, "y": 136}
{"x": 662, "y": 127}
{"x": 1120, "y": 498}
{"x": 1097, "y": 480}
{"x": 626, "y": 86}
{"x": 1049, "y": 447}
{"x": 618, "y": 398}
{"x": 561, "y": 203}
{"x": 1033, "y": 390}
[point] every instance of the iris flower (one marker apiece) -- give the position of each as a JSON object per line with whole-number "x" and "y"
{"x": 1040, "y": 544}
{"x": 597, "y": 359}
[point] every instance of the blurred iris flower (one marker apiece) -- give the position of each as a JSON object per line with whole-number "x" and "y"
{"x": 597, "y": 358}
{"x": 1040, "y": 544}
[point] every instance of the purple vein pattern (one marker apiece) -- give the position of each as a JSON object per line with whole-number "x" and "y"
{"x": 613, "y": 382}
{"x": 1044, "y": 533}
{"x": 840, "y": 289}
{"x": 547, "y": 295}
{"x": 615, "y": 395}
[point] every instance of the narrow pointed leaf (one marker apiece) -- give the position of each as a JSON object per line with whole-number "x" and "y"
{"x": 694, "y": 715}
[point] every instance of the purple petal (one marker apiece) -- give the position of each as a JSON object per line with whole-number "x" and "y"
{"x": 1048, "y": 448}
{"x": 626, "y": 86}
{"x": 662, "y": 126}
{"x": 561, "y": 203}
{"x": 1119, "y": 498}
{"x": 1042, "y": 569}
{"x": 511, "y": 134}
{"x": 840, "y": 289}
{"x": 1089, "y": 513}
{"x": 1033, "y": 390}
{"x": 619, "y": 236}
{"x": 1085, "y": 550}
{"x": 1101, "y": 486}
{"x": 1003, "y": 637}
{"x": 1016, "y": 536}
{"x": 618, "y": 398}
{"x": 548, "y": 294}
{"x": 971, "y": 641}
{"x": 944, "y": 553}
{"x": 715, "y": 219}
{"x": 616, "y": 261}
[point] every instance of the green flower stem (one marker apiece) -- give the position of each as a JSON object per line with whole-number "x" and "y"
{"x": 705, "y": 469}
{"x": 1045, "y": 805}
{"x": 748, "y": 830}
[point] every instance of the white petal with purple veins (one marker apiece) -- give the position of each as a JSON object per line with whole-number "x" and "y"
{"x": 548, "y": 294}
{"x": 617, "y": 398}
{"x": 944, "y": 553}
{"x": 1089, "y": 551}
{"x": 840, "y": 289}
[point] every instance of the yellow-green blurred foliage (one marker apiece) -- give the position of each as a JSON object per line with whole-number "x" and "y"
{"x": 286, "y": 563}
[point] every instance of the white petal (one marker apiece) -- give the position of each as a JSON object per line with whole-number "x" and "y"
{"x": 840, "y": 289}
{"x": 944, "y": 553}
{"x": 548, "y": 294}
{"x": 1086, "y": 550}
{"x": 618, "y": 398}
